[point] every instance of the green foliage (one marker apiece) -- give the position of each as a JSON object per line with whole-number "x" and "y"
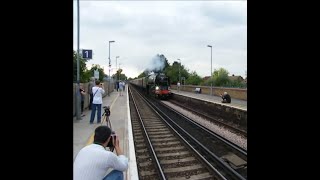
{"x": 119, "y": 75}
{"x": 162, "y": 61}
{"x": 173, "y": 72}
{"x": 207, "y": 82}
{"x": 90, "y": 73}
{"x": 143, "y": 74}
{"x": 123, "y": 77}
{"x": 220, "y": 77}
{"x": 83, "y": 68}
{"x": 170, "y": 72}
{"x": 236, "y": 84}
{"x": 194, "y": 79}
{"x": 86, "y": 76}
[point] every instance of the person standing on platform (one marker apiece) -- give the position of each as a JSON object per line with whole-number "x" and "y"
{"x": 178, "y": 85}
{"x": 98, "y": 91}
{"x": 117, "y": 84}
{"x": 90, "y": 86}
{"x": 82, "y": 93}
{"x": 121, "y": 88}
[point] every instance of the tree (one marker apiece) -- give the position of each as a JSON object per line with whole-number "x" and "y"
{"x": 119, "y": 75}
{"x": 83, "y": 68}
{"x": 90, "y": 73}
{"x": 123, "y": 77}
{"x": 173, "y": 72}
{"x": 194, "y": 79}
{"x": 170, "y": 72}
{"x": 236, "y": 83}
{"x": 220, "y": 77}
{"x": 164, "y": 60}
{"x": 143, "y": 74}
{"x": 159, "y": 63}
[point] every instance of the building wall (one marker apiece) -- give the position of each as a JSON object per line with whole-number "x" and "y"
{"x": 223, "y": 111}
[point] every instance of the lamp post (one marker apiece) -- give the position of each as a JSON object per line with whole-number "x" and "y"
{"x": 109, "y": 68}
{"x": 116, "y": 67}
{"x": 179, "y": 71}
{"x": 119, "y": 69}
{"x": 211, "y": 68}
{"x": 78, "y": 98}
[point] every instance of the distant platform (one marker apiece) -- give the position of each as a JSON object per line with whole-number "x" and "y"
{"x": 235, "y": 103}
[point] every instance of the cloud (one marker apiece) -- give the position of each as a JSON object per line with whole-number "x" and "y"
{"x": 177, "y": 29}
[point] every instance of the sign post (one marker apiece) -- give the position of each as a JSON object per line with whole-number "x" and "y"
{"x": 96, "y": 74}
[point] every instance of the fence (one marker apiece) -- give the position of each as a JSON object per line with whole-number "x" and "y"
{"x": 87, "y": 96}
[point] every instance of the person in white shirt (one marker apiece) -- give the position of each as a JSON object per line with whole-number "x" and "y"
{"x": 121, "y": 86}
{"x": 97, "y": 91}
{"x": 93, "y": 161}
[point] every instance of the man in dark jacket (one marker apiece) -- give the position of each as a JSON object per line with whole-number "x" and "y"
{"x": 82, "y": 93}
{"x": 226, "y": 98}
{"x": 90, "y": 85}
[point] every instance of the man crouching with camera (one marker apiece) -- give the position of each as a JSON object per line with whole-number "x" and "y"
{"x": 93, "y": 161}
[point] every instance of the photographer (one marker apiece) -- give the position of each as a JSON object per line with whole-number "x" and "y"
{"x": 93, "y": 161}
{"x": 226, "y": 98}
{"x": 98, "y": 91}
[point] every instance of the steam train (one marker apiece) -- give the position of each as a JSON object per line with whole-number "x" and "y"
{"x": 156, "y": 84}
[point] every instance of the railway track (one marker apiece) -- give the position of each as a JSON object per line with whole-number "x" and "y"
{"x": 160, "y": 152}
{"x": 212, "y": 119}
{"x": 217, "y": 150}
{"x": 224, "y": 159}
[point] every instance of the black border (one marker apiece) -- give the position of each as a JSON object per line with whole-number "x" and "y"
{"x": 37, "y": 85}
{"x": 279, "y": 90}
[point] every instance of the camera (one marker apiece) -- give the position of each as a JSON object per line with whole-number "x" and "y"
{"x": 113, "y": 138}
{"x": 107, "y": 110}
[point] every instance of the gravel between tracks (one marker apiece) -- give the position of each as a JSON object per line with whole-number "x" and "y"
{"x": 239, "y": 140}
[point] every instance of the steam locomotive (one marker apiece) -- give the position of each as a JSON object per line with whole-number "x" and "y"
{"x": 156, "y": 84}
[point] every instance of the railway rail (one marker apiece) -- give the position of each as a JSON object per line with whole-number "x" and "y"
{"x": 212, "y": 119}
{"x": 169, "y": 145}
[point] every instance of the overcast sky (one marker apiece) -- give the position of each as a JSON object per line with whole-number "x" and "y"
{"x": 176, "y": 29}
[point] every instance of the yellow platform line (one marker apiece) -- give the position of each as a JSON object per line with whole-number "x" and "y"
{"x": 90, "y": 141}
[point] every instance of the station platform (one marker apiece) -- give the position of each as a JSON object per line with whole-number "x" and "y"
{"x": 83, "y": 132}
{"x": 235, "y": 103}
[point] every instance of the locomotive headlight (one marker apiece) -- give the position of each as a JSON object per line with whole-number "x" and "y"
{"x": 157, "y": 87}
